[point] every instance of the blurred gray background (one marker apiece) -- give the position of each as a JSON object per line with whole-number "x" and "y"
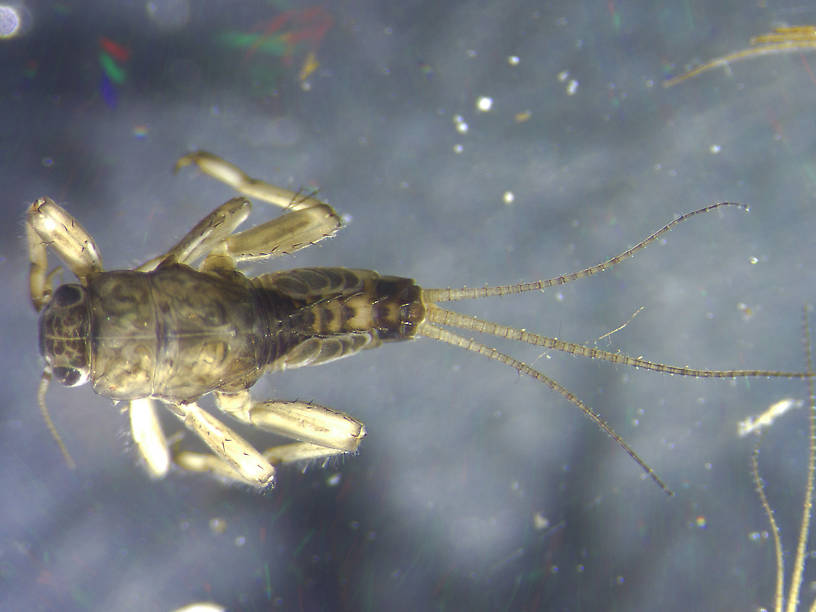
{"x": 476, "y": 488}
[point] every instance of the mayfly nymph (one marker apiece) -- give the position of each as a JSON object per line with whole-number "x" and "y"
{"x": 173, "y": 331}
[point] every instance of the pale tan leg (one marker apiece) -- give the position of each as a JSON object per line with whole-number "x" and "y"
{"x": 234, "y": 457}
{"x": 208, "y": 233}
{"x": 308, "y": 222}
{"x": 209, "y": 464}
{"x": 232, "y": 175}
{"x": 322, "y": 432}
{"x": 48, "y": 224}
{"x": 149, "y": 437}
{"x": 286, "y": 453}
{"x": 297, "y": 451}
{"x": 291, "y": 232}
{"x": 336, "y": 431}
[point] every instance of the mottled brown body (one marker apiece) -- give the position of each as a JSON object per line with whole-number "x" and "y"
{"x": 172, "y": 332}
{"x": 176, "y": 333}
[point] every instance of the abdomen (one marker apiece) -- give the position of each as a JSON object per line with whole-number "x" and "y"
{"x": 317, "y": 315}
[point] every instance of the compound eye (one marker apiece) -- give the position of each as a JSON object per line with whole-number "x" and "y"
{"x": 70, "y": 377}
{"x": 67, "y": 295}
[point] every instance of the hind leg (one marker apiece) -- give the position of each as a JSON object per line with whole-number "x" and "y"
{"x": 307, "y": 221}
{"x": 321, "y": 433}
{"x": 233, "y": 457}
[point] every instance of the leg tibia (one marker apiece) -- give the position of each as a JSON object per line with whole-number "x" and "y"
{"x": 210, "y": 464}
{"x": 298, "y": 451}
{"x": 277, "y": 455}
{"x": 232, "y": 175}
{"x": 227, "y": 445}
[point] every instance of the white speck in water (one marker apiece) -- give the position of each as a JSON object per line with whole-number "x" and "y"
{"x": 540, "y": 521}
{"x": 334, "y": 480}
{"x": 460, "y": 123}
{"x": 484, "y": 104}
